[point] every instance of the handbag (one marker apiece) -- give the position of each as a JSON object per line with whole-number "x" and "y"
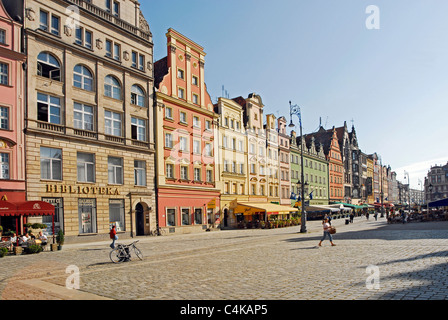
{"x": 332, "y": 230}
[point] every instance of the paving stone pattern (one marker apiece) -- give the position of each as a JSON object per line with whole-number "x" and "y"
{"x": 409, "y": 261}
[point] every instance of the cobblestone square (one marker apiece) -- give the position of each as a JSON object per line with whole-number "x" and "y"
{"x": 373, "y": 260}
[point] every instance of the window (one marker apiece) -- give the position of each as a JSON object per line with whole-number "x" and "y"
{"x": 2, "y": 36}
{"x": 183, "y": 117}
{"x": 113, "y": 7}
{"x": 208, "y": 125}
{"x": 195, "y": 98}
{"x": 138, "y": 129}
{"x": 170, "y": 170}
{"x": 48, "y": 108}
{"x": 116, "y": 9}
{"x": 184, "y": 172}
{"x": 208, "y": 149}
{"x": 185, "y": 216}
{"x": 183, "y": 144}
{"x": 181, "y": 93}
{"x": 196, "y": 147}
{"x": 180, "y": 73}
{"x": 112, "y": 88}
{"x": 170, "y": 217}
{"x": 83, "y": 37}
{"x": 168, "y": 140}
{"x": 58, "y": 217}
{"x": 109, "y": 48}
{"x": 4, "y": 74}
{"x": 198, "y": 216}
{"x": 196, "y": 122}
{"x": 116, "y": 213}
{"x": 195, "y": 80}
{"x": 197, "y": 174}
{"x": 134, "y": 59}
{"x": 86, "y": 167}
{"x": 50, "y": 163}
{"x": 252, "y": 168}
{"x": 55, "y": 25}
{"x": 48, "y": 66}
{"x": 137, "y": 96}
{"x": 138, "y": 61}
{"x": 117, "y": 52}
{"x": 168, "y": 113}
{"x": 115, "y": 170}
{"x": 140, "y": 173}
{"x": 4, "y": 118}
{"x": 87, "y": 215}
{"x": 43, "y": 19}
{"x": 112, "y": 123}
{"x": 4, "y": 165}
{"x": 82, "y": 78}
{"x": 209, "y": 175}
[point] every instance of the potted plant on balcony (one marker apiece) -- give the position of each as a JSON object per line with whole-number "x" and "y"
{"x": 60, "y": 239}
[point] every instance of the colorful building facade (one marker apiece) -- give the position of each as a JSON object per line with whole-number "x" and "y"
{"x": 89, "y": 128}
{"x": 232, "y": 159}
{"x": 188, "y": 197}
{"x": 12, "y": 114}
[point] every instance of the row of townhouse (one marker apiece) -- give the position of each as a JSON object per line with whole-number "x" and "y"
{"x": 93, "y": 126}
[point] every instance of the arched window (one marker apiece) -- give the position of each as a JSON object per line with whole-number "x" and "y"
{"x": 137, "y": 96}
{"x": 82, "y": 78}
{"x": 112, "y": 88}
{"x": 48, "y": 66}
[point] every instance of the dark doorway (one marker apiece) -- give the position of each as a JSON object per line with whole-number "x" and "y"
{"x": 139, "y": 220}
{"x": 226, "y": 216}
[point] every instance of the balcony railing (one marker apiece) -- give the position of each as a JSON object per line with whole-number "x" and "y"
{"x": 103, "y": 14}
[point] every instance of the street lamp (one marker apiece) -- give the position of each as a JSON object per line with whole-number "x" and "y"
{"x": 295, "y": 110}
{"x": 409, "y": 189}
{"x": 429, "y": 197}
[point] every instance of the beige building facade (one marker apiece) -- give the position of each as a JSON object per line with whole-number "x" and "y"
{"x": 232, "y": 159}
{"x": 90, "y": 146}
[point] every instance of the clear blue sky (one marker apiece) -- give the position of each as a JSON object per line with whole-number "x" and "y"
{"x": 392, "y": 82}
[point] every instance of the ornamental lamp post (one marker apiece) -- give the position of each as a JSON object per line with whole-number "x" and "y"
{"x": 295, "y": 110}
{"x": 409, "y": 189}
{"x": 429, "y": 197}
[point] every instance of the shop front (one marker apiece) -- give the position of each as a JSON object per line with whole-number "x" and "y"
{"x": 188, "y": 210}
{"x": 255, "y": 213}
{"x": 15, "y": 215}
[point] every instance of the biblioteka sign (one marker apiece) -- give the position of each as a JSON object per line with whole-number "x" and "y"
{"x": 53, "y": 188}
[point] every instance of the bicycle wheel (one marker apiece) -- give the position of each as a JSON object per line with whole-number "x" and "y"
{"x": 138, "y": 253}
{"x": 116, "y": 255}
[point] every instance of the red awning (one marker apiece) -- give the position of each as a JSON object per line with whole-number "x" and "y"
{"x": 28, "y": 208}
{"x": 7, "y": 208}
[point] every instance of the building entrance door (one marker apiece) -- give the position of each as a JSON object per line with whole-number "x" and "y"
{"x": 139, "y": 220}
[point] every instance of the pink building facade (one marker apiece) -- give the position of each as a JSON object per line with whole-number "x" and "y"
{"x": 187, "y": 194}
{"x": 12, "y": 110}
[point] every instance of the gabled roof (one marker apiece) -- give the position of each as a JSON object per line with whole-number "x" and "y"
{"x": 321, "y": 137}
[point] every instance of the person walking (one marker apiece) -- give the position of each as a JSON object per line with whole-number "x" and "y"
{"x": 113, "y": 236}
{"x": 326, "y": 227}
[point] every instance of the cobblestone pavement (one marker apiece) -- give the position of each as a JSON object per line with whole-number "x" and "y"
{"x": 372, "y": 260}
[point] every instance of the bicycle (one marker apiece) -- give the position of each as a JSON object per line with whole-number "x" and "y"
{"x": 122, "y": 252}
{"x": 157, "y": 232}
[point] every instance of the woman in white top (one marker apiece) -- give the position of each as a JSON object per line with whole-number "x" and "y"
{"x": 327, "y": 227}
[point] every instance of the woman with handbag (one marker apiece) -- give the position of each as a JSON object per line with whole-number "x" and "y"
{"x": 327, "y": 232}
